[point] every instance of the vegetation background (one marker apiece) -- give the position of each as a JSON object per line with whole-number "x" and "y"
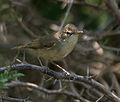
{"x": 97, "y": 49}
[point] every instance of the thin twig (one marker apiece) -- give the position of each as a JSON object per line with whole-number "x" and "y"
{"x": 96, "y": 7}
{"x": 99, "y": 99}
{"x": 113, "y": 8}
{"x": 66, "y": 15}
{"x": 38, "y": 88}
{"x": 27, "y": 30}
{"x": 10, "y": 99}
{"x": 74, "y": 89}
{"x": 85, "y": 86}
{"x": 110, "y": 48}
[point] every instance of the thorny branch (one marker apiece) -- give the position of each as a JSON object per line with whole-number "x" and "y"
{"x": 10, "y": 99}
{"x": 58, "y": 75}
{"x": 34, "y": 86}
{"x": 112, "y": 7}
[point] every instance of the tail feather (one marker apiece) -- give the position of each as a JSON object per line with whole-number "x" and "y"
{"x": 18, "y": 47}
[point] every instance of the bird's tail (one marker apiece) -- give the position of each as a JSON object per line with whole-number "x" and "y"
{"x": 18, "y": 47}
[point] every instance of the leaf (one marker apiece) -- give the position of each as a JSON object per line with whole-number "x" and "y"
{"x": 3, "y": 80}
{"x": 6, "y": 71}
{"x": 18, "y": 75}
{"x": 3, "y": 86}
{"x": 15, "y": 75}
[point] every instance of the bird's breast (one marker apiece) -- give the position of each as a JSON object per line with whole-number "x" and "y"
{"x": 60, "y": 50}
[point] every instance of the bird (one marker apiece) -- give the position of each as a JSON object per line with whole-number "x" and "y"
{"x": 55, "y": 47}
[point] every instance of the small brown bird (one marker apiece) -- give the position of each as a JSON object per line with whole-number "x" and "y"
{"x": 57, "y": 46}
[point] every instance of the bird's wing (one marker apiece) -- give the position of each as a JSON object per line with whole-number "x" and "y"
{"x": 40, "y": 43}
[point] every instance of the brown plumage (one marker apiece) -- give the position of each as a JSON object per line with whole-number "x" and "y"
{"x": 57, "y": 46}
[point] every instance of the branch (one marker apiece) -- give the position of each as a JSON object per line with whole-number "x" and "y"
{"x": 38, "y": 88}
{"x": 59, "y": 75}
{"x": 105, "y": 35}
{"x": 85, "y": 4}
{"x": 110, "y": 48}
{"x": 113, "y": 8}
{"x": 66, "y": 15}
{"x": 10, "y": 99}
{"x": 27, "y": 30}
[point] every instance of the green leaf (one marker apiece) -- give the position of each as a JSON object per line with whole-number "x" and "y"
{"x": 3, "y": 86}
{"x": 3, "y": 80}
{"x": 106, "y": 41}
{"x": 6, "y": 71}
{"x": 15, "y": 75}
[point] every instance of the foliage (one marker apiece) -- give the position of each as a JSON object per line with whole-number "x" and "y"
{"x": 8, "y": 75}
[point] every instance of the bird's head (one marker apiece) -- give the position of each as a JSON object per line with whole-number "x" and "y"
{"x": 70, "y": 30}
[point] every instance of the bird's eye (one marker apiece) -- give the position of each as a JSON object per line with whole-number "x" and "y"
{"x": 69, "y": 33}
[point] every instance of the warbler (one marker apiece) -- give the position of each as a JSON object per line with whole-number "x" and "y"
{"x": 57, "y": 46}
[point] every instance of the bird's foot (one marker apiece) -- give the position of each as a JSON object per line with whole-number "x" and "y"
{"x": 58, "y": 66}
{"x": 66, "y": 72}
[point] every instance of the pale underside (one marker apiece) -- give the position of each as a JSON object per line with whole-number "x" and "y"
{"x": 55, "y": 50}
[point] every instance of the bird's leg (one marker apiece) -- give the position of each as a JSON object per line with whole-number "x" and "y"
{"x": 58, "y": 66}
{"x": 43, "y": 76}
{"x": 65, "y": 64}
{"x": 18, "y": 52}
{"x": 40, "y": 61}
{"x": 24, "y": 61}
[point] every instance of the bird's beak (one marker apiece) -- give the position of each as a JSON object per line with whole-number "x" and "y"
{"x": 80, "y": 32}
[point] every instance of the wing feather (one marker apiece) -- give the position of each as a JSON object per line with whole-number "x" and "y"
{"x": 40, "y": 43}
